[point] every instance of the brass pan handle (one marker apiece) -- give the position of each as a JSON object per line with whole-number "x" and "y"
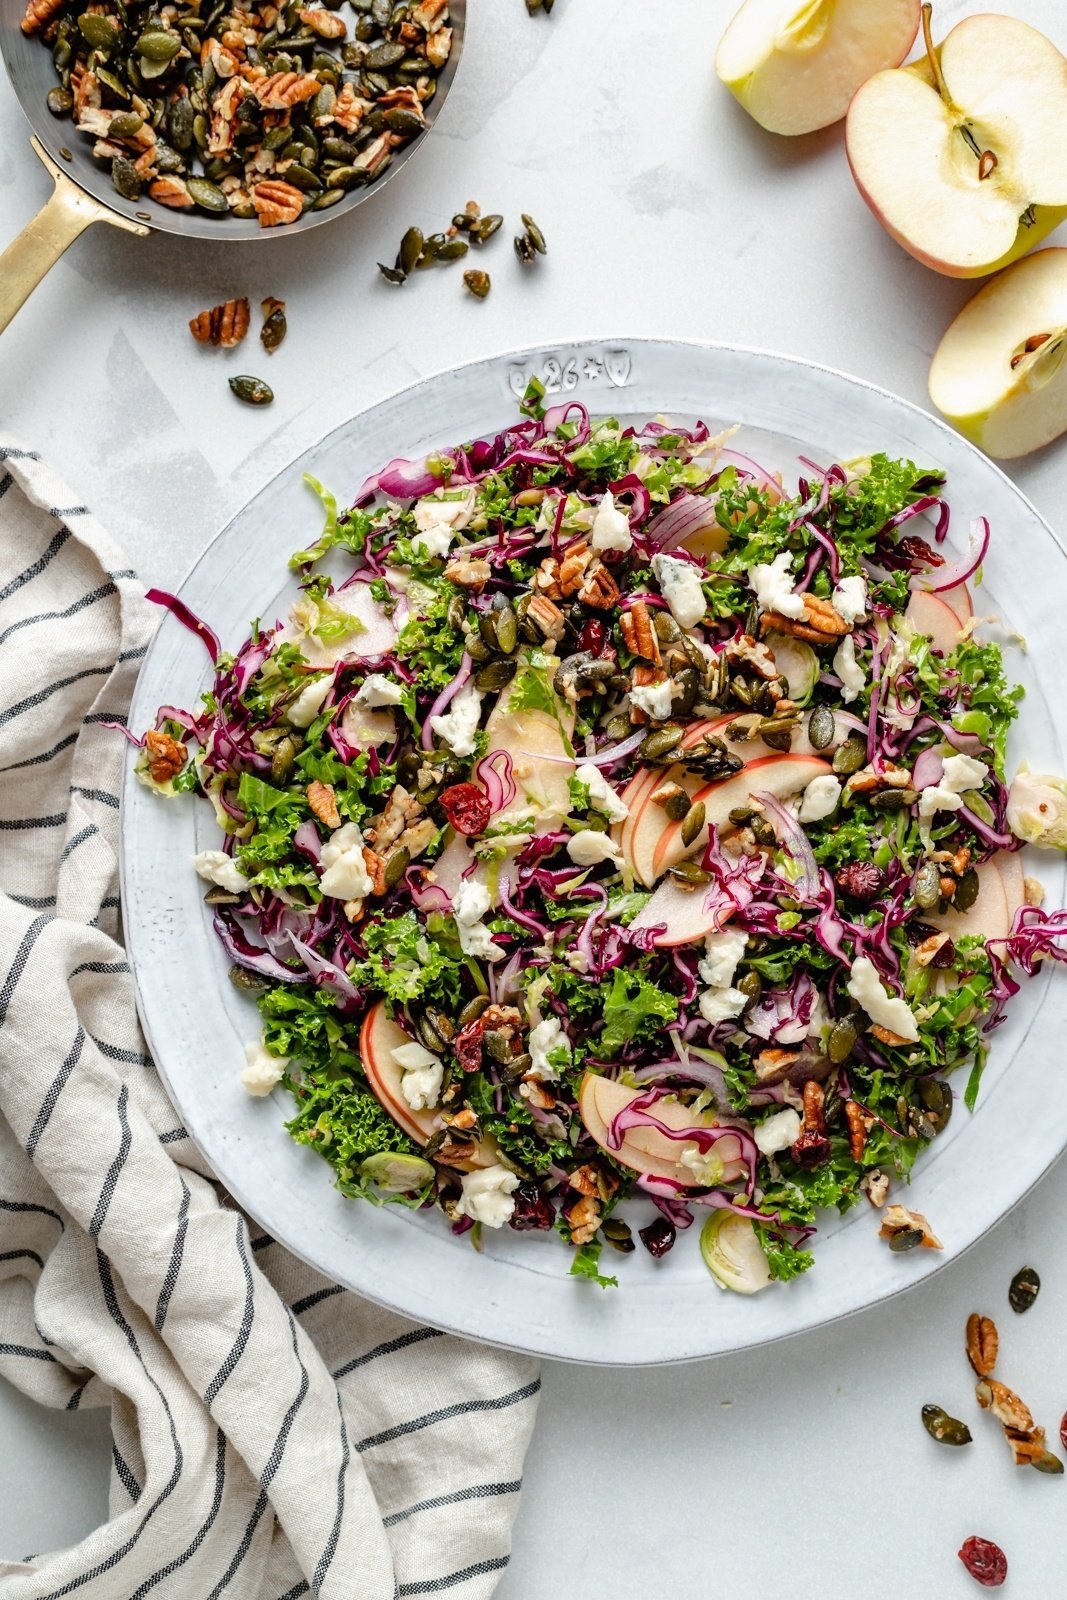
{"x": 43, "y": 240}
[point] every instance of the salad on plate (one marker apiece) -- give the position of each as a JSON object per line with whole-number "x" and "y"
{"x": 614, "y": 839}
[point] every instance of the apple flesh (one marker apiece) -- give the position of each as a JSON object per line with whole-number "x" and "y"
{"x": 378, "y": 1038}
{"x": 682, "y": 914}
{"x": 999, "y": 374}
{"x": 795, "y": 64}
{"x": 958, "y": 599}
{"x": 992, "y": 913}
{"x": 646, "y": 1150}
{"x": 968, "y": 173}
{"x": 928, "y": 614}
{"x": 541, "y": 765}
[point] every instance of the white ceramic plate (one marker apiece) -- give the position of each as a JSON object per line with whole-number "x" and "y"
{"x": 518, "y": 1293}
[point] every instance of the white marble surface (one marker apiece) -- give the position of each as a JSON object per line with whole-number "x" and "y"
{"x": 803, "y": 1467}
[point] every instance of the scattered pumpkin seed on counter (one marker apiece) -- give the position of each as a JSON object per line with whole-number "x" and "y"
{"x": 253, "y": 391}
{"x": 275, "y": 326}
{"x": 258, "y": 111}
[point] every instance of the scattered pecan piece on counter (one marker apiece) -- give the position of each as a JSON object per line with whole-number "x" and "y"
{"x": 166, "y": 756}
{"x": 983, "y": 1344}
{"x": 224, "y": 325}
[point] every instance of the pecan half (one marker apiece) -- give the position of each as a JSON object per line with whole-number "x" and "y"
{"x": 224, "y": 325}
{"x": 277, "y": 202}
{"x": 322, "y": 798}
{"x": 887, "y": 1036}
{"x": 469, "y": 573}
{"x": 572, "y": 566}
{"x": 983, "y": 1343}
{"x": 583, "y": 1218}
{"x": 38, "y": 12}
{"x": 348, "y": 109}
{"x": 546, "y": 579}
{"x": 166, "y": 756}
{"x": 1004, "y": 1404}
{"x": 812, "y": 1147}
{"x": 638, "y": 634}
{"x": 546, "y": 617}
{"x": 600, "y": 591}
{"x": 821, "y": 624}
{"x": 171, "y": 191}
{"x": 856, "y": 1120}
{"x": 285, "y": 89}
{"x": 375, "y": 865}
{"x": 327, "y": 24}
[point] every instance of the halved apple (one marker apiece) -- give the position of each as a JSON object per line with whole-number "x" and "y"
{"x": 795, "y": 64}
{"x": 378, "y": 1038}
{"x": 929, "y": 615}
{"x": 962, "y": 159}
{"x": 683, "y": 913}
{"x": 998, "y": 374}
{"x": 647, "y": 1150}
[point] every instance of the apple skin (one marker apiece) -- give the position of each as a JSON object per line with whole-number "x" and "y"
{"x": 1008, "y": 413}
{"x": 1014, "y": 35}
{"x": 796, "y": 81}
{"x": 646, "y": 1150}
{"x": 958, "y": 599}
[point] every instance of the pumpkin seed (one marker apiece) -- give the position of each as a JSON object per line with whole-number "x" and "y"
{"x": 392, "y": 274}
{"x": 329, "y": 197}
{"x": 248, "y": 982}
{"x": 661, "y": 743}
{"x": 906, "y": 1239}
{"x": 927, "y": 891}
{"x": 473, "y": 1010}
{"x": 967, "y": 891}
{"x": 477, "y": 282}
{"x": 207, "y": 195}
{"x": 253, "y": 391}
{"x": 842, "y": 1040}
{"x": 98, "y": 32}
{"x": 524, "y": 248}
{"x": 677, "y": 805}
{"x": 618, "y": 1235}
{"x": 384, "y": 55}
{"x": 750, "y": 984}
{"x": 851, "y": 756}
{"x": 453, "y": 250}
{"x": 275, "y": 326}
{"x": 693, "y": 825}
{"x": 396, "y": 865}
{"x": 1025, "y": 1288}
{"x": 945, "y": 1429}
{"x": 284, "y": 759}
{"x": 822, "y": 728}
{"x": 485, "y": 227}
{"x": 126, "y": 178}
{"x": 411, "y": 246}
{"x": 303, "y": 178}
{"x": 893, "y": 800}
{"x": 158, "y": 47}
{"x": 495, "y": 675}
{"x": 124, "y": 124}
{"x": 60, "y": 102}
{"x": 534, "y": 234}
{"x": 1047, "y": 1462}
{"x": 688, "y": 875}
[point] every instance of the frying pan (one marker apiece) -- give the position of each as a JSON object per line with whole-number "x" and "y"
{"x": 83, "y": 189}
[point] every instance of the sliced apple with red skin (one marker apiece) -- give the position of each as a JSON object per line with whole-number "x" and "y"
{"x": 958, "y": 599}
{"x": 681, "y": 911}
{"x": 795, "y": 64}
{"x": 657, "y": 848}
{"x": 962, "y": 158}
{"x": 929, "y": 615}
{"x": 378, "y": 1038}
{"x": 645, "y": 1149}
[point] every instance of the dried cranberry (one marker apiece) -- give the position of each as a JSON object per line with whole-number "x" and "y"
{"x": 985, "y": 1561}
{"x": 532, "y": 1208}
{"x": 658, "y": 1237}
{"x": 811, "y": 1149}
{"x": 467, "y": 807}
{"x": 917, "y": 933}
{"x": 861, "y": 880}
{"x": 593, "y": 636}
{"x": 945, "y": 955}
{"x": 911, "y": 552}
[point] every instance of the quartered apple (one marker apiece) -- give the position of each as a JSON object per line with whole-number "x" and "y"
{"x": 999, "y": 374}
{"x": 645, "y": 1149}
{"x": 962, "y": 158}
{"x": 795, "y": 64}
{"x": 378, "y": 1038}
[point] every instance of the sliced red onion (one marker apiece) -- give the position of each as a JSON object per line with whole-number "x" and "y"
{"x": 187, "y": 618}
{"x": 828, "y": 545}
{"x": 500, "y": 787}
{"x": 791, "y": 835}
{"x": 120, "y": 727}
{"x": 950, "y": 577}
{"x": 687, "y": 514}
{"x": 761, "y": 475}
{"x": 616, "y": 752}
{"x": 444, "y": 700}
{"x": 917, "y": 509}
{"x": 928, "y": 769}
{"x": 327, "y": 974}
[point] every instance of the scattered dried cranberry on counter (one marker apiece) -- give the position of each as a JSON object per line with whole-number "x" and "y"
{"x": 985, "y": 1561}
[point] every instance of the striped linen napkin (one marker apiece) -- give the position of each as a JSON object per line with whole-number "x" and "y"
{"x": 274, "y": 1435}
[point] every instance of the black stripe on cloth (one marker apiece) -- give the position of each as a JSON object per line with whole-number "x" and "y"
{"x": 104, "y": 716}
{"x": 274, "y": 1460}
{"x": 107, "y": 1284}
{"x": 60, "y": 616}
{"x": 107, "y": 1193}
{"x": 261, "y": 1242}
{"x": 9, "y": 453}
{"x": 79, "y": 838}
{"x": 29, "y": 573}
{"x": 114, "y": 1052}
{"x": 242, "y": 1549}
{"x": 296, "y": 1591}
{"x": 22, "y": 1255}
{"x": 26, "y": 1350}
{"x": 32, "y": 701}
{"x": 436, "y": 1585}
{"x": 245, "y": 1330}
{"x": 102, "y": 967}
{"x": 415, "y": 1337}
{"x": 5, "y": 482}
{"x": 124, "y": 1475}
{"x": 33, "y": 902}
{"x": 25, "y": 1205}
{"x": 111, "y": 903}
{"x": 75, "y": 1400}
{"x": 134, "y": 655}
{"x": 24, "y": 824}
{"x": 481, "y": 1491}
{"x": 174, "y": 1266}
{"x": 127, "y": 572}
{"x": 462, "y": 1408}
{"x": 18, "y": 966}
{"x": 309, "y": 1300}
{"x": 58, "y": 1084}
{"x": 59, "y": 512}
{"x": 323, "y": 1564}
{"x": 47, "y": 755}
{"x": 102, "y": 795}
{"x": 204, "y": 1528}
{"x": 173, "y": 1136}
